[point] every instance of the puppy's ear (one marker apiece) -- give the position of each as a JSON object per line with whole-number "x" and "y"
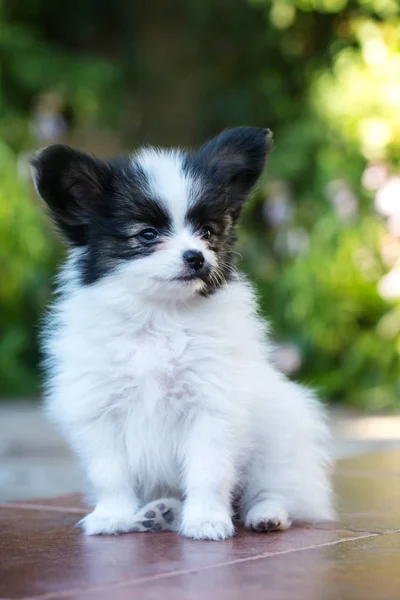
{"x": 74, "y": 185}
{"x": 236, "y": 158}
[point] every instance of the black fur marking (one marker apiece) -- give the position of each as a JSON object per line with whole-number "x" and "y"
{"x": 73, "y": 184}
{"x": 228, "y": 166}
{"x": 233, "y": 161}
{"x": 100, "y": 206}
{"x": 111, "y": 240}
{"x": 212, "y": 211}
{"x": 96, "y": 204}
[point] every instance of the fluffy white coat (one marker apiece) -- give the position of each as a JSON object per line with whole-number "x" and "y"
{"x": 171, "y": 399}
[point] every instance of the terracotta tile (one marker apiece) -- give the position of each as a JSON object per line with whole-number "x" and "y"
{"x": 363, "y": 569}
{"x": 41, "y": 552}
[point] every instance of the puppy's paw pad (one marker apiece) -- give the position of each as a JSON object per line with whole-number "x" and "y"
{"x": 268, "y": 525}
{"x": 101, "y": 523}
{"x": 266, "y": 517}
{"x": 209, "y": 530}
{"x": 159, "y": 516}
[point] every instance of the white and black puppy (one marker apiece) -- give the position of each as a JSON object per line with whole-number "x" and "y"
{"x": 158, "y": 366}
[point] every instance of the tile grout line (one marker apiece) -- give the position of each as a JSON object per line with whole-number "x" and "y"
{"x": 168, "y": 575}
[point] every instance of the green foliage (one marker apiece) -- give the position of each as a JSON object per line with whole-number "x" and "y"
{"x": 29, "y": 252}
{"x": 323, "y": 74}
{"x": 27, "y": 256}
{"x": 325, "y": 297}
{"x": 326, "y": 302}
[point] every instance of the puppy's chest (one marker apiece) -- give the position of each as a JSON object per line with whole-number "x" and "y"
{"x": 155, "y": 367}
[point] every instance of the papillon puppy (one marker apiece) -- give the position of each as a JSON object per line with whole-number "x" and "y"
{"x": 159, "y": 368}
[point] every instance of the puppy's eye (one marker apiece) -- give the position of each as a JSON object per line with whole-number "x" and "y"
{"x": 206, "y": 234}
{"x": 148, "y": 235}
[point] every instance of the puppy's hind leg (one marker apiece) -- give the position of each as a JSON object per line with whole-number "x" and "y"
{"x": 288, "y": 477}
{"x": 264, "y": 508}
{"x": 164, "y": 514}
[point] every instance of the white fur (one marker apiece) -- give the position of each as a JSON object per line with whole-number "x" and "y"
{"x": 167, "y": 181}
{"x": 166, "y": 393}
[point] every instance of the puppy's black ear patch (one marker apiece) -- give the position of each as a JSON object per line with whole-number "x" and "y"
{"x": 236, "y": 159}
{"x": 74, "y": 185}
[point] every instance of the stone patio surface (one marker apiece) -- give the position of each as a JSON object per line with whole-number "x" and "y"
{"x": 42, "y": 555}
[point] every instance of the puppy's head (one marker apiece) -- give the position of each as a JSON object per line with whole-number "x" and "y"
{"x": 162, "y": 221}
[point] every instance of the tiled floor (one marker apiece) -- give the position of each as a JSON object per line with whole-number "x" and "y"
{"x": 42, "y": 556}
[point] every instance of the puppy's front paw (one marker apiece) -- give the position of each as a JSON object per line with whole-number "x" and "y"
{"x": 267, "y": 516}
{"x": 101, "y": 522}
{"x": 211, "y": 528}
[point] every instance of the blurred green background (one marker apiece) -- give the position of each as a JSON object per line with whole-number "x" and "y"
{"x": 321, "y": 236}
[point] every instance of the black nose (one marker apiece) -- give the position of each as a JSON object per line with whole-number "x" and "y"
{"x": 194, "y": 259}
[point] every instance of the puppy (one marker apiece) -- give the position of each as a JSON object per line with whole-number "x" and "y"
{"x": 158, "y": 365}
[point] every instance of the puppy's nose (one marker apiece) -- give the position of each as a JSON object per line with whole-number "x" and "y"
{"x": 194, "y": 259}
